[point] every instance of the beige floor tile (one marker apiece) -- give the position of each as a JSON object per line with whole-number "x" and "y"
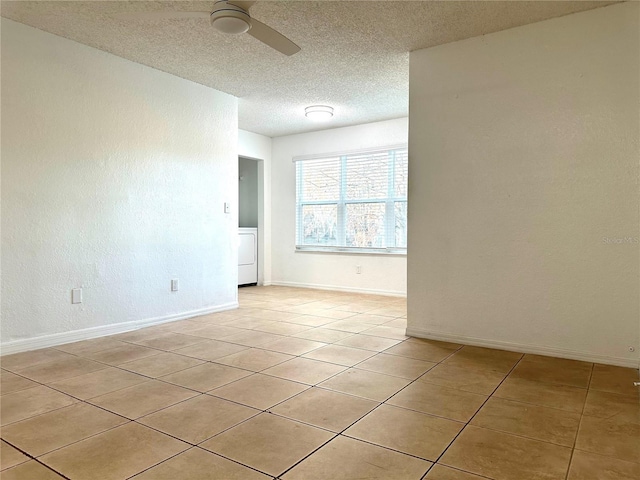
{"x": 304, "y": 370}
{"x": 87, "y": 347}
{"x": 114, "y": 455}
{"x": 10, "y": 457}
{"x": 397, "y": 323}
{"x": 250, "y": 323}
{"x": 161, "y": 364}
{"x": 484, "y": 358}
{"x": 212, "y": 332}
{"x": 321, "y": 334}
{"x": 143, "y": 399}
{"x": 252, "y": 338}
{"x": 44, "y": 433}
{"x": 427, "y": 350}
{"x": 122, "y": 354}
{"x": 545, "y": 394}
{"x": 98, "y": 383}
{"x": 397, "y": 366}
{"x": 254, "y": 359}
{"x": 621, "y": 408}
{"x": 438, "y": 400}
{"x": 283, "y": 328}
{"x": 368, "y": 342}
{"x": 30, "y": 402}
{"x": 206, "y": 377}
{"x": 366, "y": 384}
{"x": 210, "y": 350}
{"x": 440, "y": 472}
{"x": 325, "y": 408}
{"x": 198, "y": 464}
{"x": 553, "y": 370}
{"x": 482, "y": 381}
{"x": 19, "y": 361}
{"x": 259, "y": 391}
{"x": 140, "y": 334}
{"x": 56, "y": 370}
{"x": 170, "y": 341}
{"x": 198, "y": 418}
{"x": 11, "y": 382}
{"x": 387, "y": 332}
{"x": 340, "y": 355}
{"x": 310, "y": 320}
{"x": 349, "y": 325}
{"x": 588, "y": 466}
{"x": 370, "y": 319}
{"x": 526, "y": 420}
{"x": 406, "y": 431}
{"x": 347, "y": 459}
{"x": 188, "y": 326}
{"x": 279, "y": 316}
{"x": 268, "y": 443}
{"x": 30, "y": 471}
{"x": 609, "y": 437}
{"x": 501, "y": 456}
{"x": 293, "y": 346}
{"x": 332, "y": 314}
{"x": 608, "y": 378}
{"x": 390, "y": 311}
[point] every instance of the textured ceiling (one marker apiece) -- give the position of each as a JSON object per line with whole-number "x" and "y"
{"x": 354, "y": 53}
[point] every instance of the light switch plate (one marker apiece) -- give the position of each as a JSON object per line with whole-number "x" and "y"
{"x": 76, "y": 295}
{"x": 227, "y": 207}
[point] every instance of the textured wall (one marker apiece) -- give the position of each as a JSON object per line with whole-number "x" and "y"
{"x": 523, "y": 178}
{"x": 380, "y": 273}
{"x": 114, "y": 177}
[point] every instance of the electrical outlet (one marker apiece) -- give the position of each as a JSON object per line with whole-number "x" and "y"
{"x": 227, "y": 207}
{"x": 76, "y": 295}
{"x": 174, "y": 285}
{"x": 358, "y": 269}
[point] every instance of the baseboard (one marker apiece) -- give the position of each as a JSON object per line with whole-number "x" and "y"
{"x": 26, "y": 344}
{"x": 524, "y": 348}
{"x": 368, "y": 291}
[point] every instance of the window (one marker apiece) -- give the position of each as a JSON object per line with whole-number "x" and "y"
{"x": 353, "y": 201}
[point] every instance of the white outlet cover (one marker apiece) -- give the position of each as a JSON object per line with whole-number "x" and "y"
{"x": 76, "y": 295}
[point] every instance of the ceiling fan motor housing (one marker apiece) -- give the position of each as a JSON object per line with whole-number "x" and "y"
{"x": 229, "y": 18}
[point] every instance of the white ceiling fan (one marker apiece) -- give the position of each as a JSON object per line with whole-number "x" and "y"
{"x": 230, "y": 17}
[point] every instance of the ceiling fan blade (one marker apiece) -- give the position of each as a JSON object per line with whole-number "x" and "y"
{"x": 243, "y": 5}
{"x": 162, "y": 15}
{"x": 272, "y": 38}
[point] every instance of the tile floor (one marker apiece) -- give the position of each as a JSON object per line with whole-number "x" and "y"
{"x": 305, "y": 384}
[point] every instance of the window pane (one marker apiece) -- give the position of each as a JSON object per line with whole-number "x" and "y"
{"x": 401, "y": 224}
{"x": 365, "y": 225}
{"x": 368, "y": 176}
{"x": 401, "y": 173}
{"x": 319, "y": 224}
{"x": 320, "y": 180}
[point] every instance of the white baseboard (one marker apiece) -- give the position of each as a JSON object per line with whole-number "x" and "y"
{"x": 369, "y": 291}
{"x": 26, "y": 344}
{"x": 524, "y": 348}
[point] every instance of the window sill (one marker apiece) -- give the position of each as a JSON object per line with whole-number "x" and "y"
{"x": 353, "y": 251}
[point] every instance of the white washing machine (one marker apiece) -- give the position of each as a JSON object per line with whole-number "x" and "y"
{"x": 247, "y": 256}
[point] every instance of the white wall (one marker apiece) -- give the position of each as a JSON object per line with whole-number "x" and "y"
{"x": 248, "y": 192}
{"x": 380, "y": 273}
{"x": 523, "y": 162}
{"x": 258, "y": 147}
{"x": 114, "y": 177}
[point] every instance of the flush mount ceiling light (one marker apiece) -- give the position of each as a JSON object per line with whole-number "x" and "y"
{"x": 229, "y": 18}
{"x": 318, "y": 112}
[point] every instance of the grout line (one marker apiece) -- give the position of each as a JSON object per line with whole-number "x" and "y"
{"x": 584, "y": 405}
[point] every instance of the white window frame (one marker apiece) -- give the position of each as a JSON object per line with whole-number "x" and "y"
{"x": 342, "y": 203}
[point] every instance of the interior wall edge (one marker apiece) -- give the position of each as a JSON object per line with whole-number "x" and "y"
{"x": 55, "y": 339}
{"x": 524, "y": 348}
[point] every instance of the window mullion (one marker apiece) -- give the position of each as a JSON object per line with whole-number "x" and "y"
{"x": 390, "y": 211}
{"x": 342, "y": 209}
